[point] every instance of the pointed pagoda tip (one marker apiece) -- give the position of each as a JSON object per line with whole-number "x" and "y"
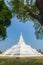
{"x": 21, "y": 33}
{"x": 21, "y": 40}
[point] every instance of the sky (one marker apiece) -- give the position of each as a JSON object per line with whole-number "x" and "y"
{"x": 13, "y": 35}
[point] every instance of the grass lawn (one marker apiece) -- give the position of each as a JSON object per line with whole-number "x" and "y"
{"x": 21, "y": 61}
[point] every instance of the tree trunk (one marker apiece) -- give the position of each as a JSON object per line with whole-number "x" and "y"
{"x": 39, "y": 4}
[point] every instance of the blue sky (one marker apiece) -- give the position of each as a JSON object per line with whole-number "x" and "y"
{"x": 13, "y": 33}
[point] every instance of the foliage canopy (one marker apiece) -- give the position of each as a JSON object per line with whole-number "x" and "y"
{"x": 29, "y": 9}
{"x": 5, "y": 19}
{"x": 23, "y": 10}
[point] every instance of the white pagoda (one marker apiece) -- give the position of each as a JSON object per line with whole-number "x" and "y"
{"x": 21, "y": 50}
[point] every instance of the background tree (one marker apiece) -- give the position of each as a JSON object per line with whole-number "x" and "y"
{"x": 39, "y": 50}
{"x": 5, "y": 19}
{"x": 1, "y": 51}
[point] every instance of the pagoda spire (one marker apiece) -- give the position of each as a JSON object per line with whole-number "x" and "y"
{"x": 21, "y": 40}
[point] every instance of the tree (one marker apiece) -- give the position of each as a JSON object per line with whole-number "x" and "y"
{"x": 39, "y": 50}
{"x": 23, "y": 10}
{"x": 29, "y": 9}
{"x": 1, "y": 51}
{"x": 26, "y": 9}
{"x": 5, "y": 19}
